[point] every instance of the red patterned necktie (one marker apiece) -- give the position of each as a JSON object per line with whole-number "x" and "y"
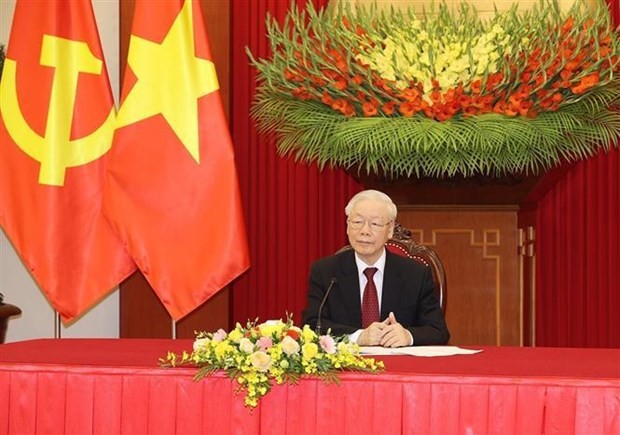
{"x": 370, "y": 301}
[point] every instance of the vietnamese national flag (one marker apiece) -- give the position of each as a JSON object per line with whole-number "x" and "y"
{"x": 56, "y": 127}
{"x": 172, "y": 192}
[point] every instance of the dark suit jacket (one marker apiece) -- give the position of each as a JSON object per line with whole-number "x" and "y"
{"x": 408, "y": 292}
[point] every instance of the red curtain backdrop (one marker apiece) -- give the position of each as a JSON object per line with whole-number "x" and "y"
{"x": 294, "y": 213}
{"x": 578, "y": 253}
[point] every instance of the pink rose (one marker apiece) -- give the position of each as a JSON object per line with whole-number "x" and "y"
{"x": 219, "y": 335}
{"x": 264, "y": 343}
{"x": 327, "y": 344}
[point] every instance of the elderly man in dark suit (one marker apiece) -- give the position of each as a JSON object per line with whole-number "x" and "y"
{"x": 377, "y": 297}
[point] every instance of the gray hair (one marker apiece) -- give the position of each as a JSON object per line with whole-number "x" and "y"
{"x": 374, "y": 195}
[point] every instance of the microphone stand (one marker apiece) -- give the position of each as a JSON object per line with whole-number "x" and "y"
{"x": 332, "y": 281}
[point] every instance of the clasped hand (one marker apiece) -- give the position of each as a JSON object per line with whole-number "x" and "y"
{"x": 388, "y": 333}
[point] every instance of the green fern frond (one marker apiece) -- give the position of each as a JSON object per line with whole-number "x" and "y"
{"x": 488, "y": 144}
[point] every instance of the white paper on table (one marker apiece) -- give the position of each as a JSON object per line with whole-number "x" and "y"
{"x": 417, "y": 350}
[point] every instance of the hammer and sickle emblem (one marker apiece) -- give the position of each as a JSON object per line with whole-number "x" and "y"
{"x": 56, "y": 151}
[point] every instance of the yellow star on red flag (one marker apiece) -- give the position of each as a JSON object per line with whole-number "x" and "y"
{"x": 170, "y": 80}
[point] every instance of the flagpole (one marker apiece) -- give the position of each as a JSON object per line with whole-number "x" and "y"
{"x": 57, "y": 325}
{"x": 174, "y": 329}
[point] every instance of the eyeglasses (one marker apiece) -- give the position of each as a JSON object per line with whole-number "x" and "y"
{"x": 358, "y": 224}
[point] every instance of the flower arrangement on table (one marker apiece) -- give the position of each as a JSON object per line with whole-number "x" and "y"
{"x": 258, "y": 355}
{"x": 443, "y": 93}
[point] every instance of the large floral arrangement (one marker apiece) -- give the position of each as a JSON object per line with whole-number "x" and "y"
{"x": 258, "y": 355}
{"x": 444, "y": 92}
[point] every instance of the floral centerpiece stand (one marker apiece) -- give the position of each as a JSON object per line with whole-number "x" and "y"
{"x": 258, "y": 356}
{"x": 443, "y": 98}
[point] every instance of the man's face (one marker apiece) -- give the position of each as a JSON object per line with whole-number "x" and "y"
{"x": 369, "y": 227}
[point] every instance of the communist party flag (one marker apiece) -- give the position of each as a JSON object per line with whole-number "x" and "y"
{"x": 57, "y": 126}
{"x": 172, "y": 192}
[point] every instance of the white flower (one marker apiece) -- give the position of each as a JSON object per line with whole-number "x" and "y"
{"x": 246, "y": 346}
{"x": 260, "y": 360}
{"x": 290, "y": 346}
{"x": 200, "y": 343}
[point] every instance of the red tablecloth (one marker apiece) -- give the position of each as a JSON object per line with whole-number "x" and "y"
{"x": 115, "y": 386}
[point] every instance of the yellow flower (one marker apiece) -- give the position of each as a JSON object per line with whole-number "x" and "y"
{"x": 235, "y": 335}
{"x": 309, "y": 351}
{"x": 222, "y": 348}
{"x": 308, "y": 334}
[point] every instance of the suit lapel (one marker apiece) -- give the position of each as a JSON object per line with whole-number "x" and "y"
{"x": 392, "y": 286}
{"x": 350, "y": 287}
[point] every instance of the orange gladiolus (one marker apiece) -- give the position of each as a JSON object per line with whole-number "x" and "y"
{"x": 539, "y": 80}
{"x": 327, "y": 99}
{"x": 574, "y": 64}
{"x": 319, "y": 81}
{"x": 465, "y": 101}
{"x": 406, "y": 109}
{"x": 290, "y": 75}
{"x": 388, "y": 108}
{"x": 588, "y": 24}
{"x": 340, "y": 83}
{"x": 436, "y": 96}
{"x": 545, "y": 104}
{"x": 493, "y": 81}
{"x": 410, "y": 94}
{"x": 476, "y": 86}
{"x": 369, "y": 109}
{"x": 585, "y": 83}
{"x": 568, "y": 25}
{"x": 604, "y": 51}
{"x": 509, "y": 111}
{"x": 339, "y": 104}
{"x": 443, "y": 116}
{"x": 499, "y": 107}
{"x": 343, "y": 106}
{"x": 349, "y": 109}
{"x": 340, "y": 61}
{"x": 302, "y": 93}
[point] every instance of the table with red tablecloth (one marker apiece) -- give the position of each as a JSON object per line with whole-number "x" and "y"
{"x": 114, "y": 386}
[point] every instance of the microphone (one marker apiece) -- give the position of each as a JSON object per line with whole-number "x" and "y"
{"x": 332, "y": 281}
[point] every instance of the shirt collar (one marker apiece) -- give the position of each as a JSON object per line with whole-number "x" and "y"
{"x": 379, "y": 264}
